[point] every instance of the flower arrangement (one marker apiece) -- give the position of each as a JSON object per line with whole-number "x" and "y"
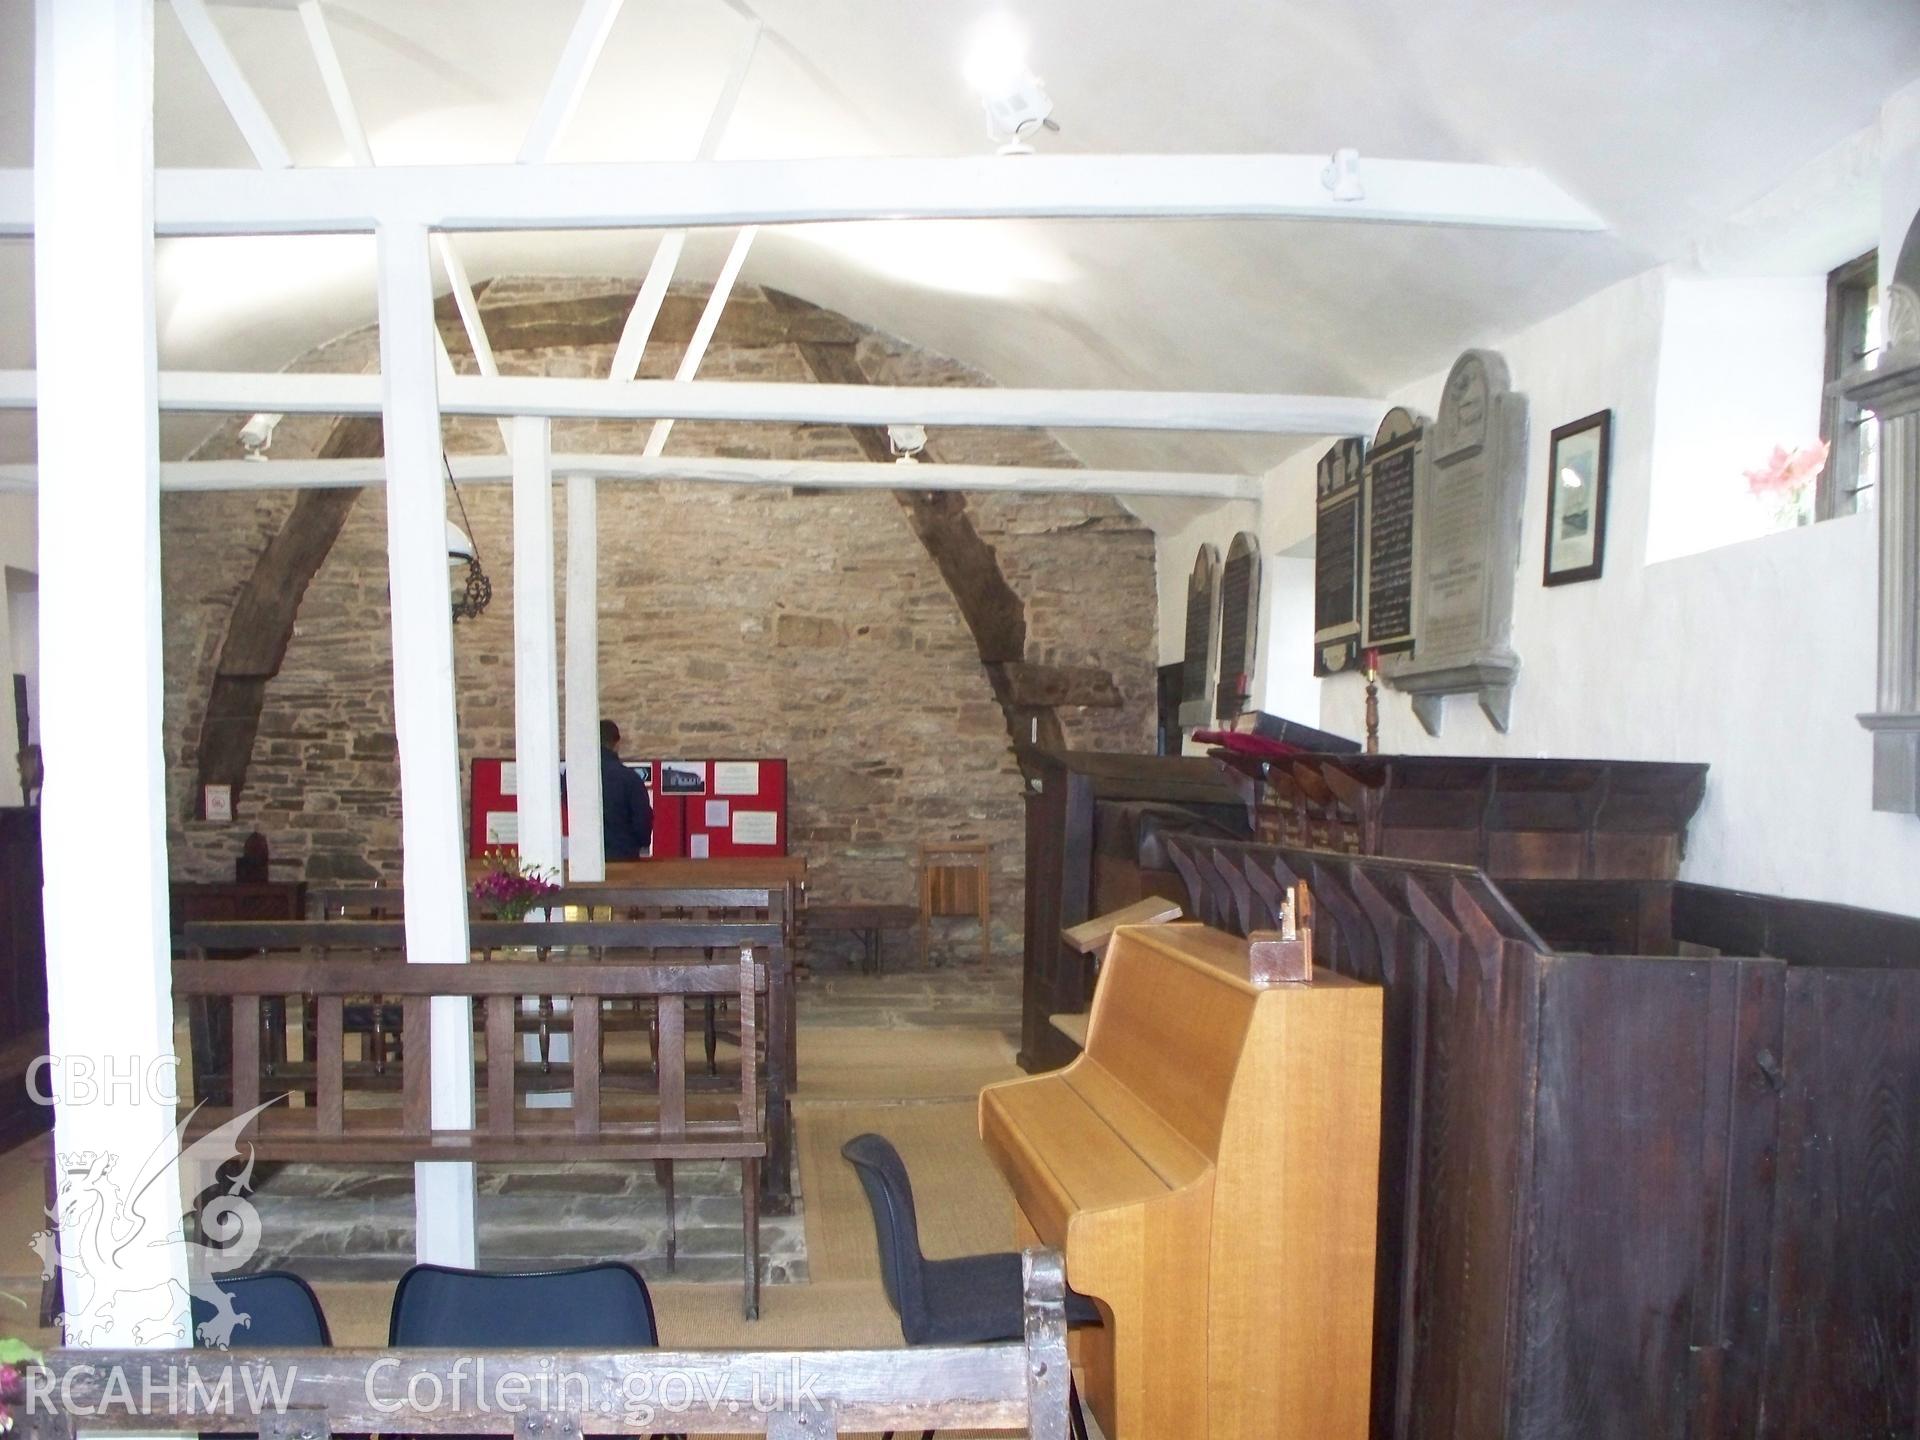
{"x": 1787, "y": 480}
{"x": 14, "y": 1355}
{"x": 510, "y": 888}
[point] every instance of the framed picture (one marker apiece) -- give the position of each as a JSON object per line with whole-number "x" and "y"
{"x": 1577, "y": 463}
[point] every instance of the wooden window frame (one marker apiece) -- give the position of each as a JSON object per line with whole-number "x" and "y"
{"x": 1837, "y": 491}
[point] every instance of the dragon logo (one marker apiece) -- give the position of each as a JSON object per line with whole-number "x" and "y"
{"x": 95, "y": 1222}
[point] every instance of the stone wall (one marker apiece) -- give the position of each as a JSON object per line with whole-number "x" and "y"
{"x": 733, "y": 621}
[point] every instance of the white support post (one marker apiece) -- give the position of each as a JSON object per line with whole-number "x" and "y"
{"x": 586, "y": 845}
{"x": 423, "y": 717}
{"x": 703, "y": 332}
{"x": 536, "y": 700}
{"x": 536, "y": 704}
{"x": 109, "y": 986}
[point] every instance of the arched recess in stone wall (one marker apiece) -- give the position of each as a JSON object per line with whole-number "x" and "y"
{"x": 1034, "y": 675}
{"x": 1029, "y": 693}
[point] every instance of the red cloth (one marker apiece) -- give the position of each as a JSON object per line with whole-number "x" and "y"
{"x": 1245, "y": 743}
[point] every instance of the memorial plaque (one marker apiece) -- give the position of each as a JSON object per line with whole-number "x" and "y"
{"x": 1336, "y": 557}
{"x": 1468, "y": 546}
{"x": 1196, "y": 676}
{"x": 1390, "y": 503}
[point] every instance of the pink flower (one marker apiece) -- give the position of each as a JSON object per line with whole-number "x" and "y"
{"x": 1788, "y": 471}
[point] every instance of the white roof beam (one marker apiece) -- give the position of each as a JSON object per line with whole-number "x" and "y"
{"x": 565, "y": 398}
{"x": 666, "y": 255}
{"x": 589, "y": 34}
{"x": 672, "y": 194}
{"x": 320, "y": 41}
{"x": 242, "y": 103}
{"x": 703, "y": 330}
{"x": 217, "y": 475}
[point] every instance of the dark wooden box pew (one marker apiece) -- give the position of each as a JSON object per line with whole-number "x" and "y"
{"x": 332, "y": 1131}
{"x": 1094, "y": 824}
{"x": 1626, "y": 1194}
{"x": 1511, "y": 817}
{"x": 1018, "y": 1386}
{"x": 662, "y": 942}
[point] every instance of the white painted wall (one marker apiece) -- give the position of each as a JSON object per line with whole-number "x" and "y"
{"x": 1754, "y": 657}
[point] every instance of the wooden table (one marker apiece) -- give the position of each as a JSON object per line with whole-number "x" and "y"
{"x": 865, "y": 920}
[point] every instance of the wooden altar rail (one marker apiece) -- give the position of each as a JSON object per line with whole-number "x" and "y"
{"x": 597, "y": 941}
{"x": 551, "y": 1395}
{"x": 329, "y": 1131}
{"x": 1626, "y": 1195}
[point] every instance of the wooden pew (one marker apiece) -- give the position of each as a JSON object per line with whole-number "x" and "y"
{"x": 599, "y": 941}
{"x": 330, "y": 1131}
{"x": 786, "y": 1394}
{"x": 628, "y": 902}
{"x": 1209, "y": 1167}
{"x": 1684, "y": 1179}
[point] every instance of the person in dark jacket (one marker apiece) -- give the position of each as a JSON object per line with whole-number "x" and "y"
{"x": 626, "y": 814}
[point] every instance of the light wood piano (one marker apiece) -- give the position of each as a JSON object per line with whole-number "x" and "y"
{"x": 1209, "y": 1165}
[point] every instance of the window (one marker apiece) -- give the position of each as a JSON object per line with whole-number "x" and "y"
{"x": 1852, "y": 436}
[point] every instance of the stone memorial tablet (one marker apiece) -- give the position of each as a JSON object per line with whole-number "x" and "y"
{"x": 1390, "y": 506}
{"x": 1336, "y": 557}
{"x": 1468, "y": 546}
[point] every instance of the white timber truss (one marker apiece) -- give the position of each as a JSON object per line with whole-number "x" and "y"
{"x": 94, "y": 205}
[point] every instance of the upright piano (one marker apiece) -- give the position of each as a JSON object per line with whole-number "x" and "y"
{"x": 1210, "y": 1167}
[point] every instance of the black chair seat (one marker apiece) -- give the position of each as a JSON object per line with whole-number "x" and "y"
{"x": 977, "y": 1300}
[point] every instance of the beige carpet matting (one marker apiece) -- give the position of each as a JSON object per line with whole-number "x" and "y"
{"x": 964, "y": 1206}
{"x": 875, "y": 1065}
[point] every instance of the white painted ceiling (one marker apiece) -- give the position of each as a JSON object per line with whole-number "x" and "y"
{"x": 1665, "y": 117}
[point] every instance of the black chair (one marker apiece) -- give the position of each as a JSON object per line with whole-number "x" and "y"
{"x": 280, "y": 1309}
{"x": 590, "y": 1307}
{"x": 971, "y": 1300}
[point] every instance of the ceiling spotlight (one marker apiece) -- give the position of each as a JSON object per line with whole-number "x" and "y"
{"x": 1342, "y": 176}
{"x": 1016, "y": 104}
{"x": 907, "y": 442}
{"x": 257, "y": 434}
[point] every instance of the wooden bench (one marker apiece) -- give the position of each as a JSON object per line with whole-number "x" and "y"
{"x": 598, "y": 942}
{"x": 553, "y": 1395}
{"x": 329, "y": 1131}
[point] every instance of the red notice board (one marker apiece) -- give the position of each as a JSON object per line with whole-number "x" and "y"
{"x": 701, "y": 808}
{"x": 738, "y": 808}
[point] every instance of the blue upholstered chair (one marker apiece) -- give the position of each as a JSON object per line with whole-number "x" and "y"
{"x": 603, "y": 1307}
{"x": 971, "y": 1300}
{"x": 281, "y": 1311}
{"x": 590, "y": 1307}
